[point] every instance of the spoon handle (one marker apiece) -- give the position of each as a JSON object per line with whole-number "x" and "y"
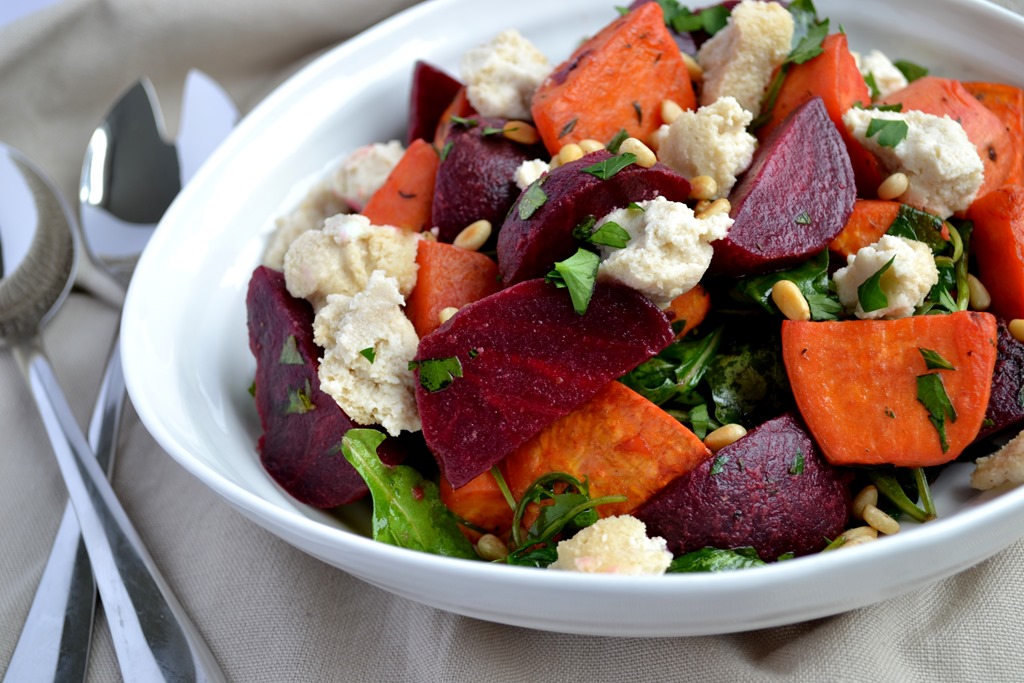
{"x": 54, "y": 642}
{"x": 153, "y": 636}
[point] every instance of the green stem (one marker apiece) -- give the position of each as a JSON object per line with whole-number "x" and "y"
{"x": 925, "y": 493}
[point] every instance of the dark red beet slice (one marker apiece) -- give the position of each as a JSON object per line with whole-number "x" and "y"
{"x": 771, "y": 490}
{"x": 1006, "y": 401}
{"x": 527, "y": 359}
{"x": 431, "y": 92}
{"x": 302, "y": 426}
{"x": 475, "y": 178}
{"x": 792, "y": 201}
{"x": 528, "y": 246}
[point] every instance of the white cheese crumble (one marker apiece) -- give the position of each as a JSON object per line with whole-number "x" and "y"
{"x": 364, "y": 171}
{"x": 669, "y": 248}
{"x": 319, "y": 203}
{"x": 941, "y": 163}
{"x": 740, "y": 58}
{"x": 711, "y": 141}
{"x": 614, "y": 545}
{"x": 888, "y": 79}
{"x": 339, "y": 258}
{"x": 529, "y": 171}
{"x": 502, "y": 75}
{"x": 379, "y": 391}
{"x": 1004, "y": 466}
{"x": 905, "y": 284}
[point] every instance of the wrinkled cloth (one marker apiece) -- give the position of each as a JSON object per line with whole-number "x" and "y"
{"x": 270, "y": 612}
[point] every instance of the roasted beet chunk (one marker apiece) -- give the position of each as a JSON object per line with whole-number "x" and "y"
{"x": 771, "y": 490}
{"x": 302, "y": 426}
{"x": 1006, "y": 402}
{"x": 526, "y": 359}
{"x": 538, "y": 230}
{"x": 793, "y": 200}
{"x": 431, "y": 93}
{"x": 475, "y": 177}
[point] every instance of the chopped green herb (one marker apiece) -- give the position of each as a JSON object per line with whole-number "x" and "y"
{"x": 716, "y": 560}
{"x": 300, "y": 401}
{"x": 872, "y": 86}
{"x": 890, "y": 132}
{"x": 639, "y": 112}
{"x": 889, "y": 413}
{"x": 609, "y": 167}
{"x": 616, "y": 141}
{"x": 919, "y": 225}
{"x": 710, "y": 20}
{"x": 460, "y": 121}
{"x": 369, "y": 354}
{"x": 810, "y": 46}
{"x": 803, "y": 218}
{"x": 870, "y": 293}
{"x": 252, "y": 389}
{"x": 290, "y": 352}
{"x": 567, "y": 128}
{"x": 492, "y": 130}
{"x": 807, "y": 47}
{"x": 445, "y": 150}
{"x": 896, "y": 106}
{"x": 804, "y": 17}
{"x": 931, "y": 392}
{"x": 578, "y": 273}
{"x": 910, "y": 70}
{"x": 633, "y": 206}
{"x": 533, "y": 198}
{"x": 718, "y": 466}
{"x": 934, "y": 361}
{"x": 797, "y": 466}
{"x": 437, "y": 374}
{"x": 610, "y": 234}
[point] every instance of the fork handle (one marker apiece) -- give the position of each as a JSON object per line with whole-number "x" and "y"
{"x": 54, "y": 642}
{"x": 153, "y": 636}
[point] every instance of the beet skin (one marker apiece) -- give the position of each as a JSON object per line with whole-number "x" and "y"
{"x": 771, "y": 490}
{"x": 1006, "y": 400}
{"x": 302, "y": 426}
{"x": 527, "y": 359}
{"x": 431, "y": 92}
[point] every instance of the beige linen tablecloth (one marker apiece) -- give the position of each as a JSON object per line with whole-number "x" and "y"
{"x": 270, "y": 612}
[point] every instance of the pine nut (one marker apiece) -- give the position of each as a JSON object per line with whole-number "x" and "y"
{"x": 716, "y": 207}
{"x": 724, "y": 436}
{"x": 979, "y": 297}
{"x": 701, "y": 207}
{"x": 859, "y": 532}
{"x": 670, "y": 111}
{"x": 893, "y": 186}
{"x": 645, "y": 158}
{"x": 445, "y": 314}
{"x": 858, "y": 540}
{"x": 569, "y": 152}
{"x": 1016, "y": 327}
{"x": 881, "y": 521}
{"x": 491, "y": 548}
{"x": 474, "y": 235}
{"x": 695, "y": 70}
{"x": 521, "y": 132}
{"x": 790, "y": 300}
{"x": 867, "y": 496}
{"x": 703, "y": 187}
{"x": 590, "y": 145}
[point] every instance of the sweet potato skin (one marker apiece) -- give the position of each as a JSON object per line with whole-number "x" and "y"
{"x": 1006, "y": 102}
{"x": 855, "y": 383}
{"x": 998, "y": 246}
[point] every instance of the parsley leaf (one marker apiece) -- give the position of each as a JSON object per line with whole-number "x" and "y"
{"x": 872, "y": 86}
{"x": 461, "y": 121}
{"x": 533, "y": 198}
{"x": 716, "y": 560}
{"x": 609, "y": 167}
{"x": 934, "y": 361}
{"x": 437, "y": 374}
{"x": 910, "y": 70}
{"x": 290, "y": 352}
{"x": 718, "y": 465}
{"x": 369, "y": 354}
{"x": 803, "y": 218}
{"x": 578, "y": 273}
{"x": 890, "y": 132}
{"x": 445, "y": 150}
{"x": 870, "y": 293}
{"x": 931, "y": 392}
{"x": 300, "y": 401}
{"x": 610, "y": 234}
{"x": 797, "y": 466}
{"x": 810, "y": 46}
{"x": 616, "y": 141}
{"x": 567, "y": 128}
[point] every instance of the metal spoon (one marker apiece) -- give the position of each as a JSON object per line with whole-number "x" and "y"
{"x": 153, "y": 636}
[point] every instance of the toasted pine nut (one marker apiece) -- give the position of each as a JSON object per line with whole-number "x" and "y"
{"x": 724, "y": 436}
{"x": 645, "y": 158}
{"x": 445, "y": 314}
{"x": 490, "y": 547}
{"x": 893, "y": 186}
{"x": 474, "y": 235}
{"x": 703, "y": 187}
{"x": 695, "y": 70}
{"x": 716, "y": 207}
{"x": 867, "y": 496}
{"x": 520, "y": 131}
{"x": 1016, "y": 328}
{"x": 979, "y": 297}
{"x": 858, "y": 532}
{"x": 858, "y": 540}
{"x": 670, "y": 111}
{"x": 702, "y": 206}
{"x": 590, "y": 145}
{"x": 881, "y": 521}
{"x": 790, "y": 300}
{"x": 569, "y": 152}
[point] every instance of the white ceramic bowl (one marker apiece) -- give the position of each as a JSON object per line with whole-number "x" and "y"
{"x": 188, "y": 367}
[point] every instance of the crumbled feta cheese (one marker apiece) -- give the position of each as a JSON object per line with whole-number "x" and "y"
{"x": 1004, "y": 466}
{"x": 711, "y": 141}
{"x": 740, "y": 58}
{"x": 319, "y": 203}
{"x": 501, "y": 76}
{"x": 381, "y": 391}
{"x": 339, "y": 258}
{"x": 364, "y": 171}
{"x": 529, "y": 171}
{"x": 940, "y": 162}
{"x": 905, "y": 284}
{"x": 614, "y": 545}
{"x": 888, "y": 79}
{"x": 668, "y": 251}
